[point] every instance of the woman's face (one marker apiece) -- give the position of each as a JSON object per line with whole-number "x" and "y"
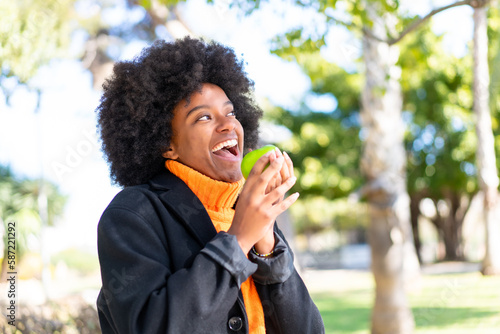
{"x": 207, "y": 136}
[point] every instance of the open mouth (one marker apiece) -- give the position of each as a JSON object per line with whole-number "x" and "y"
{"x": 228, "y": 148}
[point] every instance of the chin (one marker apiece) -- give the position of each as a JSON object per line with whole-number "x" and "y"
{"x": 232, "y": 177}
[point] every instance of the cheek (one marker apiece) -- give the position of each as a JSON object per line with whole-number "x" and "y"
{"x": 196, "y": 142}
{"x": 238, "y": 126}
{"x": 241, "y": 132}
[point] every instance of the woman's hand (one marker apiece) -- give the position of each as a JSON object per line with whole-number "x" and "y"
{"x": 262, "y": 200}
{"x": 266, "y": 244}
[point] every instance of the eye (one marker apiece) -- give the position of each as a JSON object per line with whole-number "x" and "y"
{"x": 204, "y": 118}
{"x": 232, "y": 113}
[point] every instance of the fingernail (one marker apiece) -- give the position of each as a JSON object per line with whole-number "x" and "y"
{"x": 286, "y": 155}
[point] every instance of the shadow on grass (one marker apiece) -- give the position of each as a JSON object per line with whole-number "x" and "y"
{"x": 343, "y": 315}
{"x": 445, "y": 316}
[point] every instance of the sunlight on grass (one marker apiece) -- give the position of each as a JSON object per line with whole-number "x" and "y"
{"x": 457, "y": 303}
{"x": 465, "y": 303}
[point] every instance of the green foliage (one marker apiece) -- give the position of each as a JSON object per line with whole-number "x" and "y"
{"x": 17, "y": 194}
{"x": 32, "y": 33}
{"x": 19, "y": 204}
{"x": 494, "y": 57}
{"x": 27, "y": 224}
{"x": 328, "y": 78}
{"x": 325, "y": 152}
{"x": 356, "y": 10}
{"x": 437, "y": 103}
{"x": 294, "y": 45}
{"x": 147, "y": 4}
{"x": 318, "y": 213}
{"x": 325, "y": 148}
{"x": 437, "y": 97}
{"x": 55, "y": 200}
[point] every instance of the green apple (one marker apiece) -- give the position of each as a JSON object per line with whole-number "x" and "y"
{"x": 251, "y": 158}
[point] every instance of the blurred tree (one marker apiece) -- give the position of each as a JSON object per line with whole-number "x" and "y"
{"x": 383, "y": 162}
{"x": 494, "y": 87}
{"x": 32, "y": 33}
{"x": 486, "y": 159}
{"x": 19, "y": 204}
{"x": 494, "y": 64}
{"x": 440, "y": 135}
{"x": 437, "y": 103}
{"x": 152, "y": 19}
{"x": 317, "y": 213}
{"x": 325, "y": 149}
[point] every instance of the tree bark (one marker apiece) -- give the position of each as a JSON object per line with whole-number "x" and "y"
{"x": 449, "y": 221}
{"x": 459, "y": 205}
{"x": 486, "y": 160}
{"x": 451, "y": 232}
{"x": 415, "y": 215}
{"x": 383, "y": 163}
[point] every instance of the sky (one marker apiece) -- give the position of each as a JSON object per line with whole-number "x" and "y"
{"x": 60, "y": 143}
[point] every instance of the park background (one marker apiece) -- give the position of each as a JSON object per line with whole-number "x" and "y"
{"x": 310, "y": 62}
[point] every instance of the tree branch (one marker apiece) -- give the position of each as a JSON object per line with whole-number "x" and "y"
{"x": 417, "y": 23}
{"x": 414, "y": 25}
{"x": 331, "y": 18}
{"x": 345, "y": 24}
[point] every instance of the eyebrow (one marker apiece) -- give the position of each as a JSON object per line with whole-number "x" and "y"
{"x": 206, "y": 106}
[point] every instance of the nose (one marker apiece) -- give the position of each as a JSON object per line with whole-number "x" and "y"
{"x": 226, "y": 124}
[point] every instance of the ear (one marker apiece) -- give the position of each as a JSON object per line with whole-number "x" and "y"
{"x": 170, "y": 153}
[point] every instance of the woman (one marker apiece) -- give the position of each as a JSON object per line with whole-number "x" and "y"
{"x": 177, "y": 254}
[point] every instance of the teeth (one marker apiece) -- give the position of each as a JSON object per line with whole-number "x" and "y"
{"x": 227, "y": 143}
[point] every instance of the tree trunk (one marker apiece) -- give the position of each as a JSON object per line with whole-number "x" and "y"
{"x": 449, "y": 221}
{"x": 486, "y": 160}
{"x": 452, "y": 237}
{"x": 383, "y": 164}
{"x": 415, "y": 214}
{"x": 459, "y": 205}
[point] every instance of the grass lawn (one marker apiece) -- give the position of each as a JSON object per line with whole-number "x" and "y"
{"x": 465, "y": 303}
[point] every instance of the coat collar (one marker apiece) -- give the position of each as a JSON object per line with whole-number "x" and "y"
{"x": 177, "y": 196}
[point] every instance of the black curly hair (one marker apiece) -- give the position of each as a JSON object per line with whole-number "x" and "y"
{"x": 136, "y": 108}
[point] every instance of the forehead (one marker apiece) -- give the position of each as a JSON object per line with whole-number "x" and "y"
{"x": 208, "y": 95}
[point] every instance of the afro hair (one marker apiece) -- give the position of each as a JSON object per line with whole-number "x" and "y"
{"x": 136, "y": 108}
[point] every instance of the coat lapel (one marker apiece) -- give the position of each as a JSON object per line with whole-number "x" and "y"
{"x": 177, "y": 197}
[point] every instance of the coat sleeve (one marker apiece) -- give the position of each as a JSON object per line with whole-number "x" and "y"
{"x": 275, "y": 269}
{"x": 287, "y": 304}
{"x": 140, "y": 293}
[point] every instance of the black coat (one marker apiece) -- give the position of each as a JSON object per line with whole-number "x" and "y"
{"x": 165, "y": 269}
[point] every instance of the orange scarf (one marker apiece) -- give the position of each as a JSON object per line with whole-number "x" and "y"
{"x": 218, "y": 199}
